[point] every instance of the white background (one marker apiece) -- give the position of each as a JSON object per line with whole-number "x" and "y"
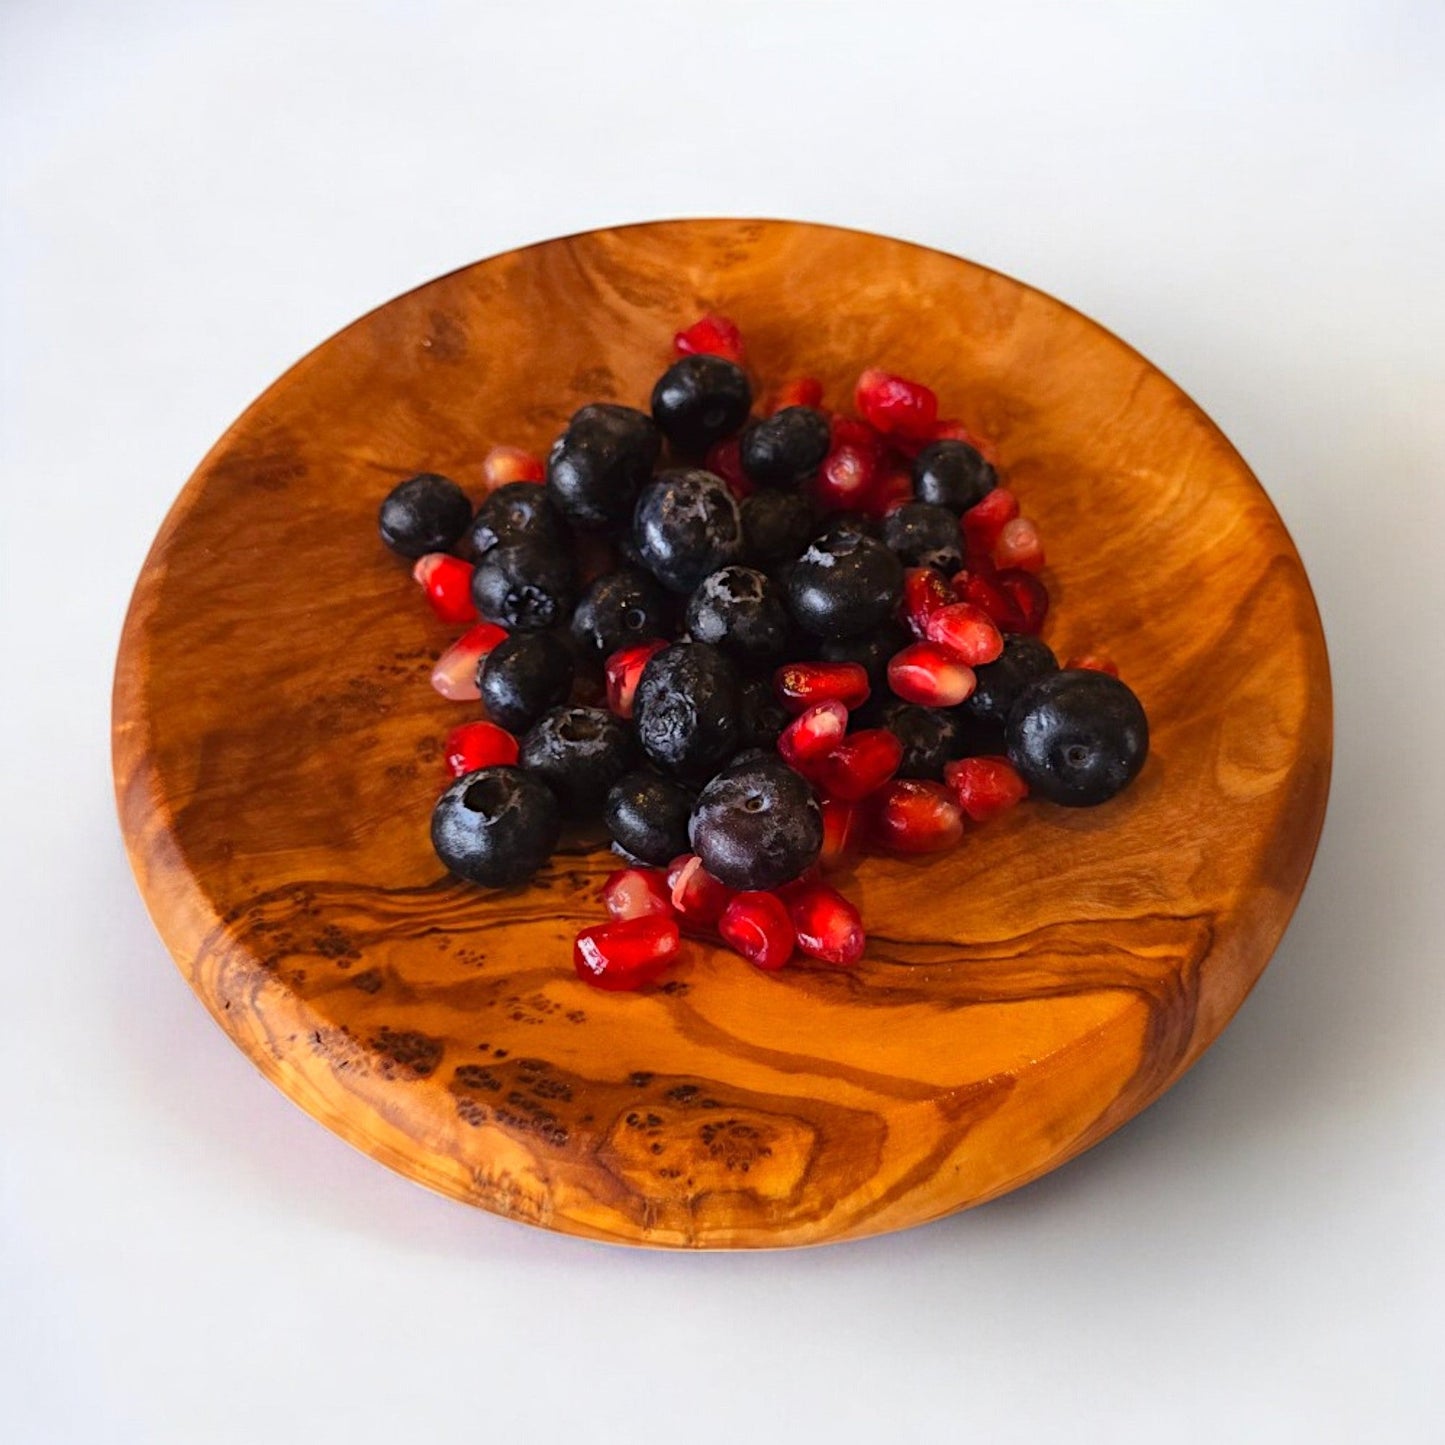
{"x": 194, "y": 194}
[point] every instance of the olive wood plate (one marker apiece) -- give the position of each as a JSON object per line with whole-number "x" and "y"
{"x": 277, "y": 752}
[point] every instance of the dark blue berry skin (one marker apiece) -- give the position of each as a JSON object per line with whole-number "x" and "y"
{"x": 516, "y": 512}
{"x": 1077, "y": 737}
{"x": 757, "y": 825}
{"x": 599, "y": 464}
{"x": 740, "y": 612}
{"x": 686, "y": 710}
{"x": 929, "y": 736}
{"x": 952, "y": 474}
{"x": 620, "y": 609}
{"x": 523, "y": 676}
{"x": 786, "y": 448}
{"x": 777, "y": 525}
{"x": 872, "y": 650}
{"x": 844, "y": 588}
{"x": 525, "y": 586}
{"x": 923, "y": 535}
{"x": 700, "y": 400}
{"x": 843, "y": 524}
{"x": 686, "y": 525}
{"x": 647, "y": 816}
{"x": 761, "y": 717}
{"x": 1023, "y": 660}
{"x": 425, "y": 513}
{"x": 579, "y": 752}
{"x": 495, "y": 826}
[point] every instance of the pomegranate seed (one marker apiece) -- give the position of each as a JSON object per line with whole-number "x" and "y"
{"x": 1029, "y": 596}
{"x": 825, "y": 925}
{"x": 626, "y": 953}
{"x": 913, "y": 815}
{"x": 895, "y": 405}
{"x": 953, "y": 430}
{"x": 712, "y": 336}
{"x": 722, "y": 460}
{"x": 447, "y": 583}
{"x": 983, "y": 522}
{"x": 985, "y": 787}
{"x": 842, "y": 829}
{"x": 637, "y": 893}
{"x": 801, "y": 685}
{"x": 924, "y": 673}
{"x": 1093, "y": 662}
{"x": 968, "y": 632}
{"x": 1019, "y": 545}
{"x": 989, "y": 597}
{"x": 925, "y": 590}
{"x": 849, "y": 431}
{"x": 802, "y": 391}
{"x": 844, "y": 478}
{"x": 697, "y": 897}
{"x": 455, "y": 673}
{"x": 476, "y": 745}
{"x": 814, "y": 733}
{"x": 891, "y": 488}
{"x": 757, "y": 926}
{"x": 510, "y": 464}
{"x": 623, "y": 671}
{"x": 860, "y": 764}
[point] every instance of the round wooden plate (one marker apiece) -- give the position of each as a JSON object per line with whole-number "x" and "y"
{"x": 277, "y": 752}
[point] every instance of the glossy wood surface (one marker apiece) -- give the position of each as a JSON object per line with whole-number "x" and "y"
{"x": 277, "y": 751}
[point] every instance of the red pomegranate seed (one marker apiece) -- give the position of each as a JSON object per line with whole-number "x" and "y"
{"x": 925, "y": 590}
{"x": 510, "y": 464}
{"x": 913, "y": 815}
{"x": 1019, "y": 545}
{"x": 814, "y": 733}
{"x": 801, "y": 391}
{"x": 926, "y": 674}
{"x": 849, "y": 431}
{"x": 859, "y": 765}
{"x": 722, "y": 460}
{"x": 968, "y": 632}
{"x": 455, "y": 673}
{"x": 890, "y": 489}
{"x": 989, "y": 597}
{"x": 844, "y": 479}
{"x": 697, "y": 897}
{"x": 626, "y": 953}
{"x": 1029, "y": 596}
{"x": 637, "y": 893}
{"x": 825, "y": 925}
{"x": 1093, "y": 662}
{"x": 447, "y": 583}
{"x": 757, "y": 926}
{"x": 982, "y": 523}
{"x": 713, "y": 336}
{"x": 623, "y": 670}
{"x": 842, "y": 831}
{"x": 985, "y": 787}
{"x": 476, "y": 745}
{"x": 801, "y": 685}
{"x": 895, "y": 405}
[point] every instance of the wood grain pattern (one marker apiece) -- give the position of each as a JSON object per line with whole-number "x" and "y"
{"x": 277, "y": 753}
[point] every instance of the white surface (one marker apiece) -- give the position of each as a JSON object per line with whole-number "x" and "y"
{"x": 195, "y": 194}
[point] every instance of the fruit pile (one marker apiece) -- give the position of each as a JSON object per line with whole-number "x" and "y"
{"x": 802, "y": 635}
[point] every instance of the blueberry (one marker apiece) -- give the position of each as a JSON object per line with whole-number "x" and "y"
{"x": 516, "y": 512}
{"x": 686, "y": 710}
{"x": 785, "y": 448}
{"x": 579, "y": 752}
{"x": 757, "y": 825}
{"x": 739, "y": 612}
{"x": 929, "y": 736}
{"x": 999, "y": 683}
{"x": 871, "y": 649}
{"x": 761, "y": 717}
{"x": 647, "y": 817}
{"x": 599, "y": 464}
{"x": 923, "y": 535}
{"x": 843, "y": 524}
{"x": 952, "y": 474}
{"x": 845, "y": 587}
{"x": 425, "y": 513}
{"x": 1077, "y": 737}
{"x": 776, "y": 526}
{"x": 495, "y": 826}
{"x": 700, "y": 400}
{"x": 685, "y": 526}
{"x": 524, "y": 586}
{"x": 619, "y": 609}
{"x": 523, "y": 676}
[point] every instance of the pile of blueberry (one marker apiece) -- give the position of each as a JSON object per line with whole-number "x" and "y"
{"x": 752, "y": 641}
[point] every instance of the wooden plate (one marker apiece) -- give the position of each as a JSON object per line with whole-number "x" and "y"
{"x": 276, "y": 751}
